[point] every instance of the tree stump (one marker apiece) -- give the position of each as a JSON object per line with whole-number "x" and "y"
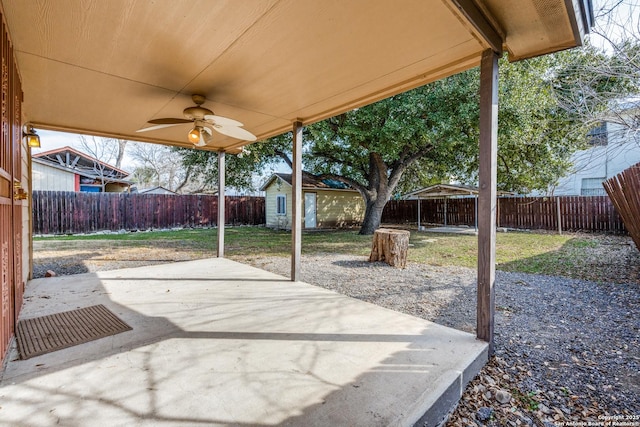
{"x": 390, "y": 246}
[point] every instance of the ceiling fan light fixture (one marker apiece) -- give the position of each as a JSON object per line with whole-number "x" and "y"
{"x": 200, "y": 136}
{"x": 204, "y": 122}
{"x": 195, "y": 135}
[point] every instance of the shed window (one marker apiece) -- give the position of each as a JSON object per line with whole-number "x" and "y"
{"x": 281, "y": 204}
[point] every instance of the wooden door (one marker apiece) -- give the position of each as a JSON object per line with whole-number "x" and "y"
{"x": 11, "y": 280}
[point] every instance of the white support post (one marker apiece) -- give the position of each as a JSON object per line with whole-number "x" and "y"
{"x": 487, "y": 200}
{"x": 476, "y": 212}
{"x": 296, "y": 202}
{"x": 418, "y": 213}
{"x": 221, "y": 207}
{"x": 559, "y": 214}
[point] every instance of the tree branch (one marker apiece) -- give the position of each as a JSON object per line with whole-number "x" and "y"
{"x": 284, "y": 157}
{"x": 185, "y": 181}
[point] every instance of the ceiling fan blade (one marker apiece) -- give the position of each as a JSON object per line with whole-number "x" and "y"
{"x": 235, "y": 132}
{"x": 169, "y": 121}
{"x": 156, "y": 127}
{"x": 222, "y": 121}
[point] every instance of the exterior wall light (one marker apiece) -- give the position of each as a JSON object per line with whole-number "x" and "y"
{"x": 31, "y": 138}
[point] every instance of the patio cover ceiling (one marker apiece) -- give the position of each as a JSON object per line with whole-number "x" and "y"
{"x": 107, "y": 67}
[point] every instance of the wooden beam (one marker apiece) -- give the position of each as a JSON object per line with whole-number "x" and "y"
{"x": 296, "y": 202}
{"x": 221, "y": 207}
{"x": 487, "y": 203}
{"x": 482, "y": 25}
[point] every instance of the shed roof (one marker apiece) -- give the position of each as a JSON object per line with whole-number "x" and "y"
{"x": 107, "y": 67}
{"x": 308, "y": 182}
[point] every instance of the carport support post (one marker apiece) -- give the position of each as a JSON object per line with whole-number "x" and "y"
{"x": 221, "y": 207}
{"x": 296, "y": 202}
{"x": 487, "y": 196}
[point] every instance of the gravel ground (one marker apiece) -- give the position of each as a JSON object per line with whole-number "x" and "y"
{"x": 566, "y": 349}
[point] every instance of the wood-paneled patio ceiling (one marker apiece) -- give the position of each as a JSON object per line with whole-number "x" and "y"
{"x": 106, "y": 67}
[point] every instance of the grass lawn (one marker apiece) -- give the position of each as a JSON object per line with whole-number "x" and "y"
{"x": 570, "y": 255}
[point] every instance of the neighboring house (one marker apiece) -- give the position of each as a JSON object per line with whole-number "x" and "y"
{"x": 66, "y": 169}
{"x": 612, "y": 150}
{"x": 327, "y": 203}
{"x": 156, "y": 190}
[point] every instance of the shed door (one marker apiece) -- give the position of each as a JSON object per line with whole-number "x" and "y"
{"x": 309, "y": 210}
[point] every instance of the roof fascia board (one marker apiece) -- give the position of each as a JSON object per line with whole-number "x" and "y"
{"x": 585, "y": 14}
{"x": 477, "y": 19}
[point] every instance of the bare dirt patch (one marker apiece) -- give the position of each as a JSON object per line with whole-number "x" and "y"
{"x": 66, "y": 257}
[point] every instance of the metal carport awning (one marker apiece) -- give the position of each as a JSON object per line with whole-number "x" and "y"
{"x": 445, "y": 191}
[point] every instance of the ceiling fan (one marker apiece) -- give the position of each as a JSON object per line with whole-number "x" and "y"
{"x": 203, "y": 121}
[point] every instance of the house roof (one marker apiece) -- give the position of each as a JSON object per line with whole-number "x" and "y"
{"x": 445, "y": 190}
{"x": 91, "y": 175}
{"x": 84, "y": 164}
{"x": 108, "y": 67}
{"x": 309, "y": 182}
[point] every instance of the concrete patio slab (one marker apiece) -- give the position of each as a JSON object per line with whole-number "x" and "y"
{"x": 451, "y": 230}
{"x": 215, "y": 342}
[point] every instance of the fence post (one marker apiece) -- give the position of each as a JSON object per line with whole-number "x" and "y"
{"x": 559, "y": 215}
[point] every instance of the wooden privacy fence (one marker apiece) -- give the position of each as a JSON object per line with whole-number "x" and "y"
{"x": 576, "y": 213}
{"x": 61, "y": 212}
{"x": 624, "y": 190}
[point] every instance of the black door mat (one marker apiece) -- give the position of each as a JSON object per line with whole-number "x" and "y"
{"x": 45, "y": 334}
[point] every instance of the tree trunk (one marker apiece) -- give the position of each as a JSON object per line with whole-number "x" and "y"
{"x": 122, "y": 143}
{"x": 372, "y": 218}
{"x": 390, "y": 246}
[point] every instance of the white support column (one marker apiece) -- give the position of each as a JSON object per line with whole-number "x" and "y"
{"x": 487, "y": 203}
{"x": 221, "y": 207}
{"x": 476, "y": 211}
{"x": 296, "y": 202}
{"x": 418, "y": 213}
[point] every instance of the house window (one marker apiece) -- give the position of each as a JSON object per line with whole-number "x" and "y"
{"x": 598, "y": 136}
{"x": 281, "y": 204}
{"x": 592, "y": 187}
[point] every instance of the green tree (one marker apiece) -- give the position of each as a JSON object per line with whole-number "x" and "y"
{"x": 240, "y": 169}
